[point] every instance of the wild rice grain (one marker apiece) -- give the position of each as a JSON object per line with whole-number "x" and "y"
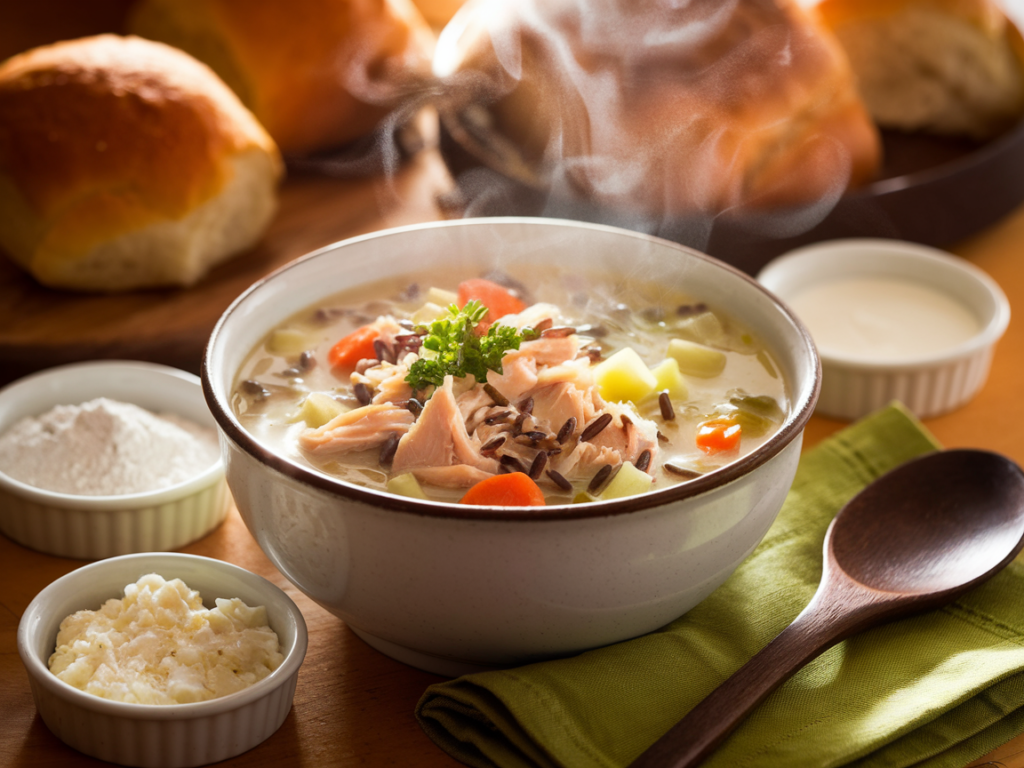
{"x": 567, "y": 429}
{"x": 599, "y": 480}
{"x": 689, "y": 474}
{"x": 492, "y": 445}
{"x": 526, "y": 406}
{"x": 668, "y": 413}
{"x": 498, "y": 417}
{"x": 254, "y": 388}
{"x": 512, "y": 463}
{"x": 517, "y": 425}
{"x": 559, "y": 479}
{"x": 362, "y": 393}
{"x": 387, "y": 451}
{"x": 595, "y": 427}
{"x": 539, "y": 462}
{"x": 414, "y": 406}
{"x": 558, "y": 332}
{"x": 384, "y": 351}
{"x": 643, "y": 461}
{"x": 496, "y": 396}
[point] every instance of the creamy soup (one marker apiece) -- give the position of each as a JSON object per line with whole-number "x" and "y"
{"x": 488, "y": 391}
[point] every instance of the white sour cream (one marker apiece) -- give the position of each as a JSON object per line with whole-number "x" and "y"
{"x": 883, "y": 319}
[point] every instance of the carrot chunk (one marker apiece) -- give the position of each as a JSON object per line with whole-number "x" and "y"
{"x": 498, "y": 299}
{"x": 718, "y": 435}
{"x": 515, "y": 489}
{"x": 357, "y": 346}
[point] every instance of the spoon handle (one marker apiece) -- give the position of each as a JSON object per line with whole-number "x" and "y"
{"x": 816, "y": 629}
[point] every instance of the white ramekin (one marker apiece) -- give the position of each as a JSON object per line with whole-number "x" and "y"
{"x": 929, "y": 385}
{"x": 160, "y": 736}
{"x": 94, "y": 527}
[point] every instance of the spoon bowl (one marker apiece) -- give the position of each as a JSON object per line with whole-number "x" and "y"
{"x": 952, "y": 519}
{"x": 915, "y": 539}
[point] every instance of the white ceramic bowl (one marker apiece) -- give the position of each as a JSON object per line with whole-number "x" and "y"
{"x": 452, "y": 588}
{"x": 94, "y": 527}
{"x": 160, "y": 736}
{"x": 930, "y": 384}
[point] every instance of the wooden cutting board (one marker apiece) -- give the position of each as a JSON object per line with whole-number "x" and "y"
{"x": 41, "y": 327}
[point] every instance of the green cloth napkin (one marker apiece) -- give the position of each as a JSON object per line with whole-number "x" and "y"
{"x": 939, "y": 689}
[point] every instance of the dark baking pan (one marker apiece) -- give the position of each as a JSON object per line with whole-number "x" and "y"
{"x": 932, "y": 190}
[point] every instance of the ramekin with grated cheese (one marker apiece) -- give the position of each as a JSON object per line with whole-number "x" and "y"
{"x": 160, "y": 645}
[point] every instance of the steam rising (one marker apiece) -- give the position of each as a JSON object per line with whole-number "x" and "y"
{"x": 664, "y": 116}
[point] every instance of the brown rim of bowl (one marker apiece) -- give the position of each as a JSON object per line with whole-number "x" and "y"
{"x": 232, "y": 429}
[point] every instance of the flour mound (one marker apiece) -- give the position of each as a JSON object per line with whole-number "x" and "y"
{"x": 105, "y": 448}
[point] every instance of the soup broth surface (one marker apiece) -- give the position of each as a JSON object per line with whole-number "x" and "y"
{"x": 695, "y": 393}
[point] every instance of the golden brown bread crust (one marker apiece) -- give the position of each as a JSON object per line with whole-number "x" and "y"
{"x": 316, "y": 73}
{"x": 438, "y": 12}
{"x": 724, "y": 105}
{"x": 109, "y": 135}
{"x": 951, "y": 67}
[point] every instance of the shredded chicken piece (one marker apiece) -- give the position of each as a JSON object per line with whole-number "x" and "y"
{"x": 357, "y": 430}
{"x": 439, "y": 438}
{"x": 455, "y": 476}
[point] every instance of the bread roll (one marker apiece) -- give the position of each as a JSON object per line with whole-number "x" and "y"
{"x": 438, "y": 12}
{"x": 126, "y": 163}
{"x": 317, "y": 74}
{"x": 945, "y": 66}
{"x": 694, "y": 108}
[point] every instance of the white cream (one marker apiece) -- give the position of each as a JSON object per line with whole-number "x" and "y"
{"x": 882, "y": 318}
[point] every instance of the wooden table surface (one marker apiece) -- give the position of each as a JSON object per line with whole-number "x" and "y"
{"x": 354, "y": 706}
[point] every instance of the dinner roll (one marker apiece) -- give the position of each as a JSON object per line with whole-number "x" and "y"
{"x": 698, "y": 107}
{"x": 946, "y": 66}
{"x": 438, "y": 12}
{"x": 317, "y": 74}
{"x": 126, "y": 163}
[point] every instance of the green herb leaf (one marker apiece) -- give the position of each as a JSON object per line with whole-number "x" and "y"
{"x": 458, "y": 351}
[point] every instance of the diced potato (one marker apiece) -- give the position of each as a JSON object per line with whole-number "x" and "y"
{"x": 442, "y": 297}
{"x": 695, "y": 359}
{"x": 628, "y": 481}
{"x": 624, "y": 377}
{"x": 318, "y": 408}
{"x": 288, "y": 341}
{"x": 428, "y": 313}
{"x": 406, "y": 484}
{"x": 670, "y": 379}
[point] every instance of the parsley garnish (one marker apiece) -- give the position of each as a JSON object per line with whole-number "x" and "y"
{"x": 459, "y": 351}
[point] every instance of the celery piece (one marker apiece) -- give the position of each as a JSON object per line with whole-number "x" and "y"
{"x": 695, "y": 359}
{"x": 319, "y": 408}
{"x": 624, "y": 377}
{"x": 704, "y": 328}
{"x": 670, "y": 379}
{"x": 442, "y": 297}
{"x": 406, "y": 484}
{"x": 762, "y": 405}
{"x": 288, "y": 341}
{"x": 756, "y": 415}
{"x": 428, "y": 313}
{"x": 628, "y": 481}
{"x": 766, "y": 362}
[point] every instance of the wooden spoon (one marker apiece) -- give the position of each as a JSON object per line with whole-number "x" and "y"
{"x": 914, "y": 539}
